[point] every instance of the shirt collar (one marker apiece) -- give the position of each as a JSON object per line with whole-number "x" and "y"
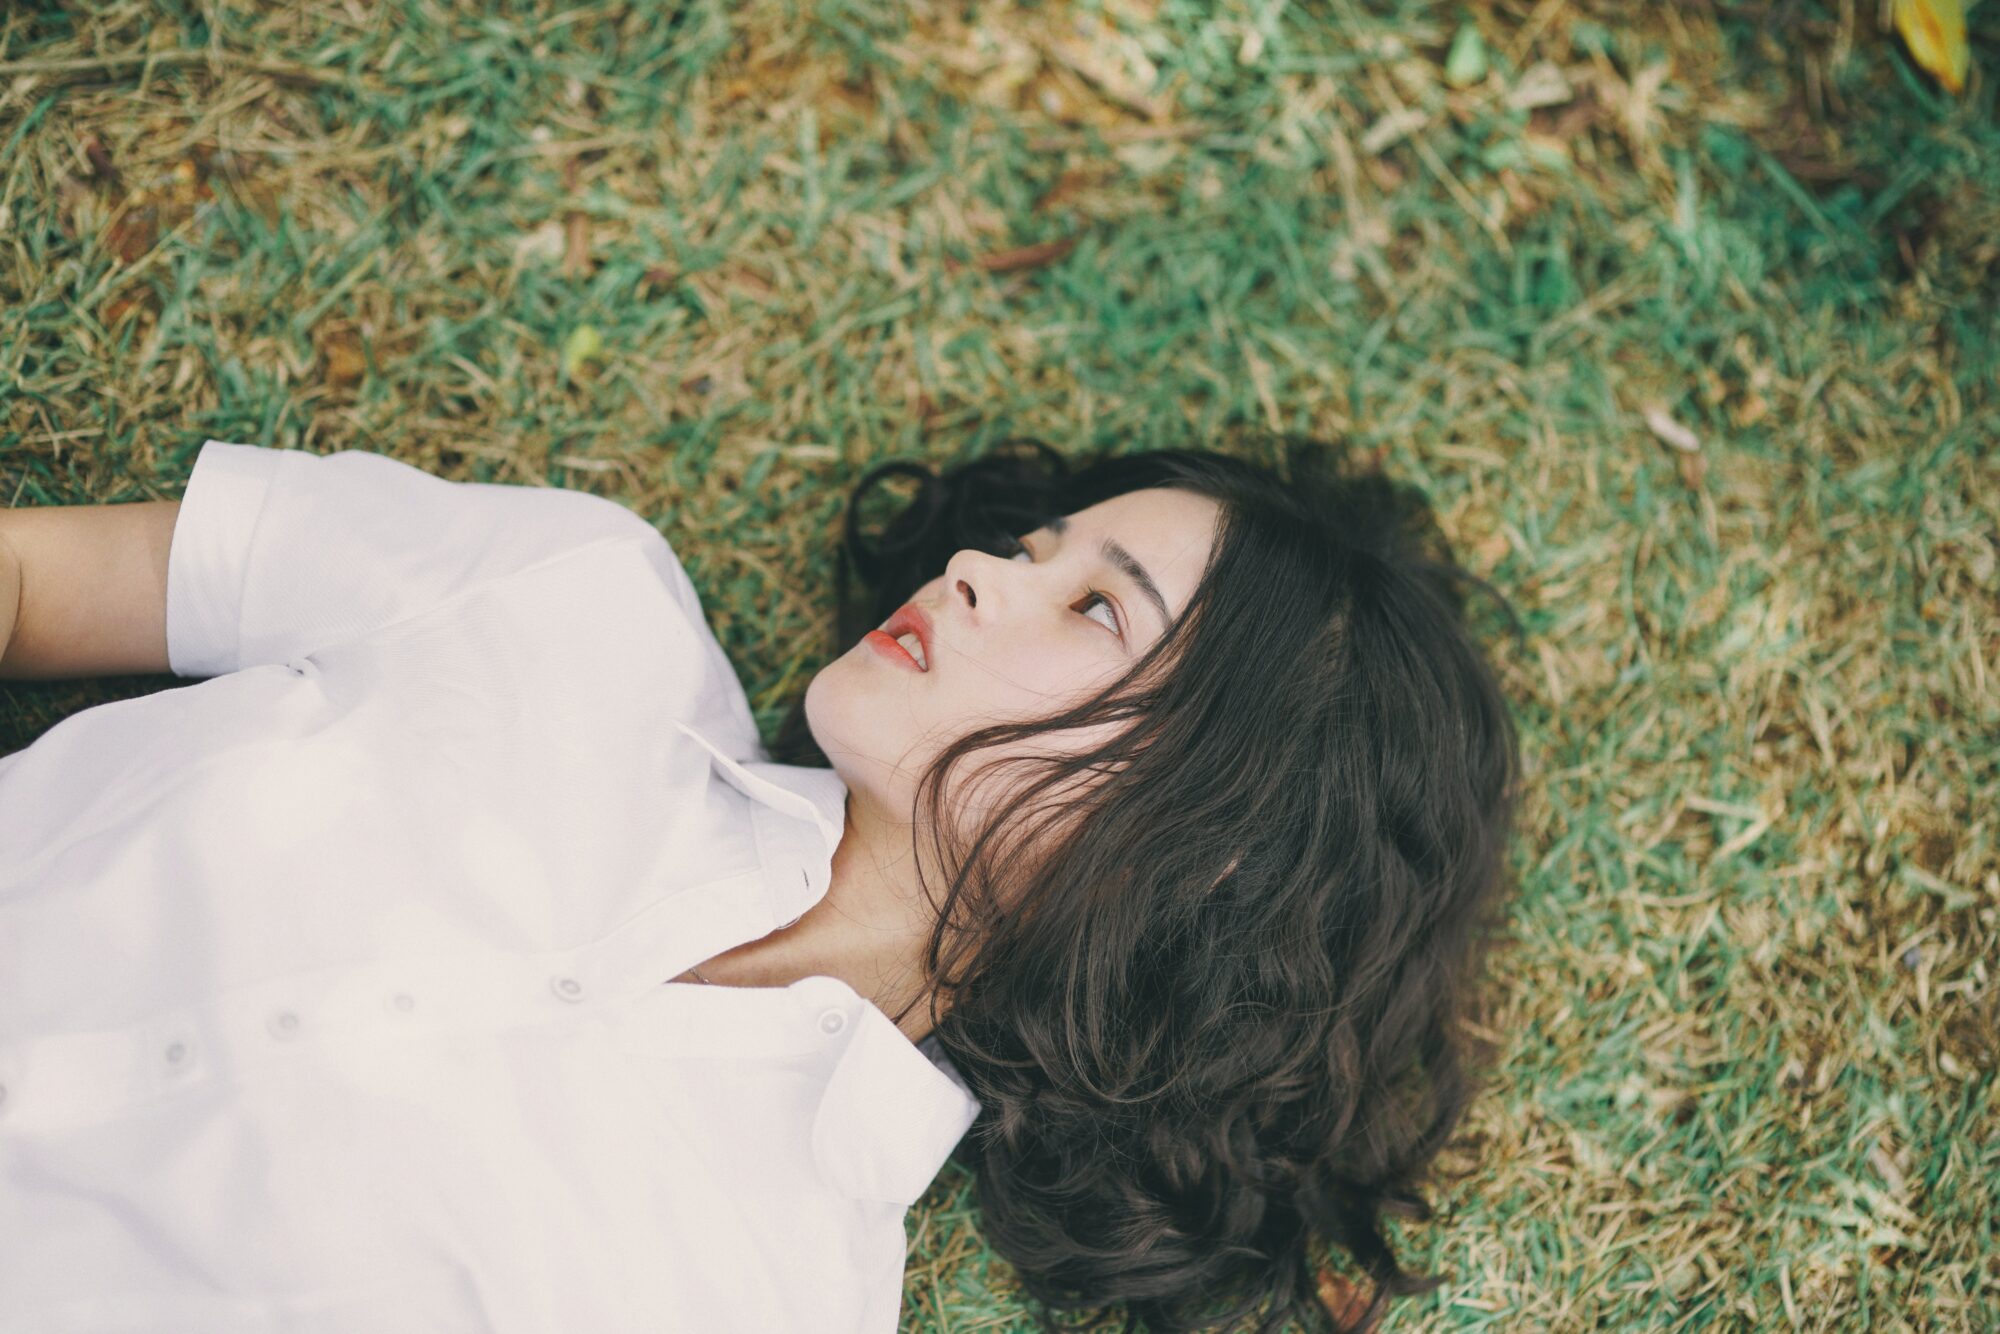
{"x": 822, "y": 789}
{"x": 799, "y": 813}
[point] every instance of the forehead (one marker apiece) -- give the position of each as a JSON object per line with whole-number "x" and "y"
{"x": 1168, "y": 531}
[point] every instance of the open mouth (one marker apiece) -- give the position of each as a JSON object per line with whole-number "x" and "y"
{"x": 907, "y": 634}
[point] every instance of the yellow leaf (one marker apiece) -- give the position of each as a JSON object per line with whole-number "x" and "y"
{"x": 1934, "y": 30}
{"x": 582, "y": 344}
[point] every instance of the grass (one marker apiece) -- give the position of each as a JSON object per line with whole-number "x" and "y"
{"x": 1745, "y": 1013}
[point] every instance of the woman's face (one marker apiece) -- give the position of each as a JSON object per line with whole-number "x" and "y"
{"x": 1013, "y": 638}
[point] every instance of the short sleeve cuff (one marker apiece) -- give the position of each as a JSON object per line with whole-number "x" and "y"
{"x": 210, "y": 556}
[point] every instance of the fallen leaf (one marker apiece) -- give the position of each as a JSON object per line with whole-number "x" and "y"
{"x": 118, "y": 307}
{"x": 100, "y": 162}
{"x": 1670, "y": 432}
{"x": 1934, "y": 30}
{"x": 583, "y": 343}
{"x": 1465, "y": 65}
{"x": 1073, "y": 181}
{"x": 133, "y": 232}
{"x": 1026, "y": 257}
{"x": 748, "y": 279}
{"x": 1343, "y": 1299}
{"x": 344, "y": 363}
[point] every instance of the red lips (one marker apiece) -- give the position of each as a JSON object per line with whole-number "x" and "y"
{"x": 909, "y": 619}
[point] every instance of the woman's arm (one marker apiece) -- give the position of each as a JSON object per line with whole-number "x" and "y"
{"x": 89, "y": 589}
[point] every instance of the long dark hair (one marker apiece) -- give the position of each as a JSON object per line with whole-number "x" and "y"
{"x": 1221, "y": 1012}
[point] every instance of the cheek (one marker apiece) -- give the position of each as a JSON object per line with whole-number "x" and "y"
{"x": 921, "y": 715}
{"x": 1053, "y": 675}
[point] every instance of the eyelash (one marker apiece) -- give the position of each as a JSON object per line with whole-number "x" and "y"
{"x": 1021, "y": 548}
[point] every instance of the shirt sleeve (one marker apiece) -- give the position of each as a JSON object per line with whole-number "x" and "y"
{"x": 278, "y": 552}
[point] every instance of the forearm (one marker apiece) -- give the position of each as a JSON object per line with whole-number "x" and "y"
{"x": 89, "y": 589}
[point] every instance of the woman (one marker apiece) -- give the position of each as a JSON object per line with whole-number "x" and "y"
{"x": 1161, "y": 806}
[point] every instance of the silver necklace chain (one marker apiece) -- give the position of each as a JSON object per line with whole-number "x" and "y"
{"x": 698, "y": 977}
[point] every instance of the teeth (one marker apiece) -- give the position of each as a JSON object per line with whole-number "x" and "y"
{"x": 915, "y": 647}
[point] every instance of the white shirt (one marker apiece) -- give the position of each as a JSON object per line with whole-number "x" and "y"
{"x": 333, "y": 988}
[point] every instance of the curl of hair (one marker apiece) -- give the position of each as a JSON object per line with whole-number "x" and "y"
{"x": 1220, "y": 1015}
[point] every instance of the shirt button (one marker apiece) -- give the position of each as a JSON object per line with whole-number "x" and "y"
{"x": 831, "y": 1021}
{"x": 176, "y": 1053}
{"x": 567, "y": 987}
{"x": 402, "y": 1002}
{"x": 3, "y": 1097}
{"x": 284, "y": 1024}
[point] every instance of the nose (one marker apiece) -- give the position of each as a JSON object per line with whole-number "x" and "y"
{"x": 969, "y": 582}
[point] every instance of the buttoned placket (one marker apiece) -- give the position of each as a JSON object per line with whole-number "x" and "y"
{"x": 67, "y": 1078}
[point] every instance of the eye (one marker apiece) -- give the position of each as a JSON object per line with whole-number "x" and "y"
{"x": 1092, "y": 597}
{"x": 1099, "y": 603}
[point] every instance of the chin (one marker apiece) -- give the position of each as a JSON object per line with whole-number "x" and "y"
{"x": 849, "y": 727}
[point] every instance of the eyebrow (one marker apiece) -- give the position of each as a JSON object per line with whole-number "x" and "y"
{"x": 1127, "y": 564}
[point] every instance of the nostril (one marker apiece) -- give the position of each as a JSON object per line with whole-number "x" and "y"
{"x": 970, "y": 596}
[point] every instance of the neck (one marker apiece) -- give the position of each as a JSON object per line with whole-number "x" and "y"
{"x": 869, "y": 929}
